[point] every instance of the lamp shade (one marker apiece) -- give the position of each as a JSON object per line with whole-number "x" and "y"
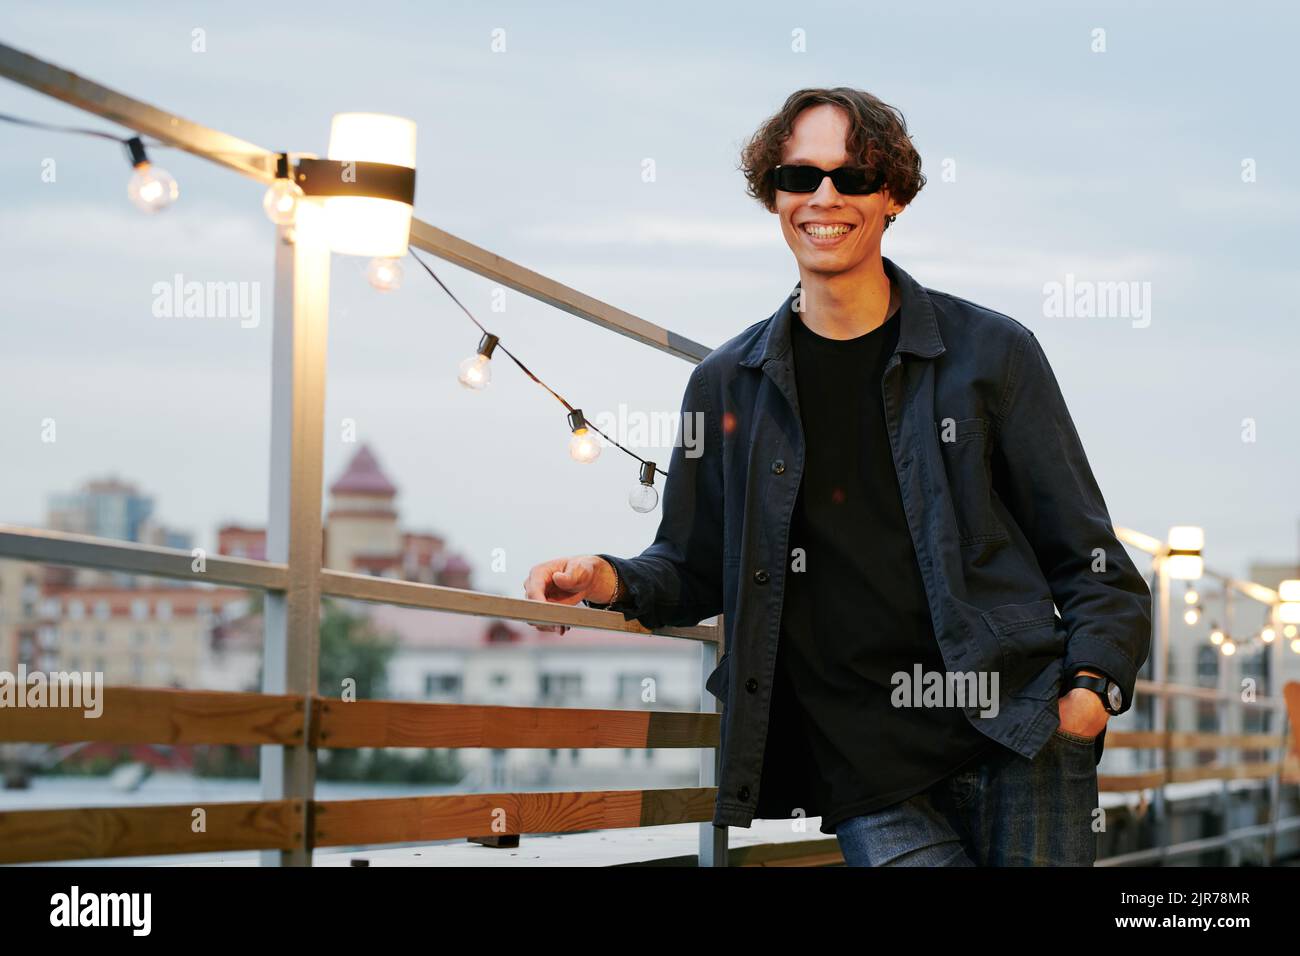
{"x": 364, "y": 226}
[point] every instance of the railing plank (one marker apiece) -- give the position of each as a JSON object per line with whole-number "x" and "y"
{"x": 365, "y": 587}
{"x": 87, "y": 833}
{"x": 414, "y": 724}
{"x": 419, "y": 819}
{"x": 145, "y": 715}
{"x": 85, "y": 551}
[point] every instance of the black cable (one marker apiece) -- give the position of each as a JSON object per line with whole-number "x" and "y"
{"x": 521, "y": 365}
{"x": 80, "y": 130}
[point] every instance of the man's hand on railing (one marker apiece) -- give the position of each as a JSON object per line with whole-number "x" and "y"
{"x": 570, "y": 581}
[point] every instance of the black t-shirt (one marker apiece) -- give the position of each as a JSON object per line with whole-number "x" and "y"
{"x": 857, "y": 614}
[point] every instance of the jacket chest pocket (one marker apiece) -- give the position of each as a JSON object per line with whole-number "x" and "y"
{"x": 963, "y": 443}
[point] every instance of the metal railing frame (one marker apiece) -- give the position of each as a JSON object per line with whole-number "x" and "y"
{"x": 293, "y": 578}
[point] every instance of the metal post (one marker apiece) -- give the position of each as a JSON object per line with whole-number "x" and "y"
{"x": 1226, "y": 709}
{"x": 1160, "y": 714}
{"x": 713, "y": 840}
{"x": 292, "y": 629}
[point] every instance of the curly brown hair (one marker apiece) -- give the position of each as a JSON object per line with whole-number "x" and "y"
{"x": 877, "y": 138}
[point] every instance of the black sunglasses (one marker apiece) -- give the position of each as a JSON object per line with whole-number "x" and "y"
{"x": 849, "y": 180}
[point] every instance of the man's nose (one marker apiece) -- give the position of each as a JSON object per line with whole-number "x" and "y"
{"x": 826, "y": 194}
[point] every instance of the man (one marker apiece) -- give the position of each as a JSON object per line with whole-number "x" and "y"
{"x": 890, "y": 504}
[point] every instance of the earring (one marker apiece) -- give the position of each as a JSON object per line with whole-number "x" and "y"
{"x": 891, "y": 218}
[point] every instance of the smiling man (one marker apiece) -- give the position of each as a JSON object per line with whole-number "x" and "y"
{"x": 890, "y": 505}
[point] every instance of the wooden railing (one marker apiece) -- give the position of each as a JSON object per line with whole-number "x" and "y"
{"x": 154, "y": 716}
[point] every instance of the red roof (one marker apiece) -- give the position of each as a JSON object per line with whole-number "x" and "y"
{"x": 363, "y": 476}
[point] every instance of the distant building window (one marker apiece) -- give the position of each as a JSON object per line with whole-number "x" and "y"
{"x": 102, "y": 610}
{"x": 561, "y": 685}
{"x": 138, "y": 638}
{"x": 51, "y": 607}
{"x": 76, "y": 610}
{"x": 100, "y": 636}
{"x": 500, "y": 680}
{"x": 164, "y": 610}
{"x": 74, "y": 636}
{"x": 137, "y": 668}
{"x": 139, "y": 609}
{"x": 164, "y": 637}
{"x": 442, "y": 685}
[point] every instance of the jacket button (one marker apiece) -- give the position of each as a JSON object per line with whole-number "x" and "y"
{"x": 760, "y": 576}
{"x": 743, "y": 793}
{"x": 751, "y": 685}
{"x": 778, "y": 467}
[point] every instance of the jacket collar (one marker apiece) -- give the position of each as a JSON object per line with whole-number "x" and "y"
{"x": 918, "y": 331}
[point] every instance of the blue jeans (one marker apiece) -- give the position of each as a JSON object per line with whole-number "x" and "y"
{"x": 1004, "y": 811}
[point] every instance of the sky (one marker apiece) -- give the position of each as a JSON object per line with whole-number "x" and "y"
{"x": 1141, "y": 143}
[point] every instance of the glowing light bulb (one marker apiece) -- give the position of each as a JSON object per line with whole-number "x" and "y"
{"x": 280, "y": 203}
{"x": 152, "y": 189}
{"x": 1191, "y": 615}
{"x": 1268, "y": 635}
{"x": 643, "y": 498}
{"x": 1216, "y": 636}
{"x": 476, "y": 371}
{"x": 1228, "y": 648}
{"x": 583, "y": 446}
{"x": 1295, "y": 645}
{"x": 1191, "y": 597}
{"x": 384, "y": 274}
{"x": 1289, "y": 631}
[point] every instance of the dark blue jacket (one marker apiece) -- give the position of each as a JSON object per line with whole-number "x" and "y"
{"x": 1005, "y": 515}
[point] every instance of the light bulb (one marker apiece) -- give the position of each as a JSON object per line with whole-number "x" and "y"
{"x": 280, "y": 203}
{"x": 584, "y": 447}
{"x": 643, "y": 498}
{"x": 152, "y": 189}
{"x": 475, "y": 372}
{"x": 1289, "y": 630}
{"x": 1228, "y": 648}
{"x": 1268, "y": 635}
{"x": 1216, "y": 636}
{"x": 1295, "y": 645}
{"x": 1191, "y": 597}
{"x": 1192, "y": 615}
{"x": 384, "y": 274}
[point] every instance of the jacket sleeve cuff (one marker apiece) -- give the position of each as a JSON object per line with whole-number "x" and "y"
{"x": 1094, "y": 653}
{"x": 630, "y": 603}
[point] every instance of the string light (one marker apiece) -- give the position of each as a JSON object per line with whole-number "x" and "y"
{"x": 1192, "y": 615}
{"x": 1228, "y": 647}
{"x": 384, "y": 274}
{"x": 280, "y": 202}
{"x": 150, "y": 187}
{"x": 1216, "y": 635}
{"x": 475, "y": 373}
{"x": 643, "y": 498}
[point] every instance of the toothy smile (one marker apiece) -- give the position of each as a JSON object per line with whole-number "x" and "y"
{"x": 832, "y": 230}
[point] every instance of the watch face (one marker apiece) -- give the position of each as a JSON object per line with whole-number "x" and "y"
{"x": 1116, "y": 696}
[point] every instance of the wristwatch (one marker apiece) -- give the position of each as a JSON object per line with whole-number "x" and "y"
{"x": 618, "y": 592}
{"x": 1112, "y": 698}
